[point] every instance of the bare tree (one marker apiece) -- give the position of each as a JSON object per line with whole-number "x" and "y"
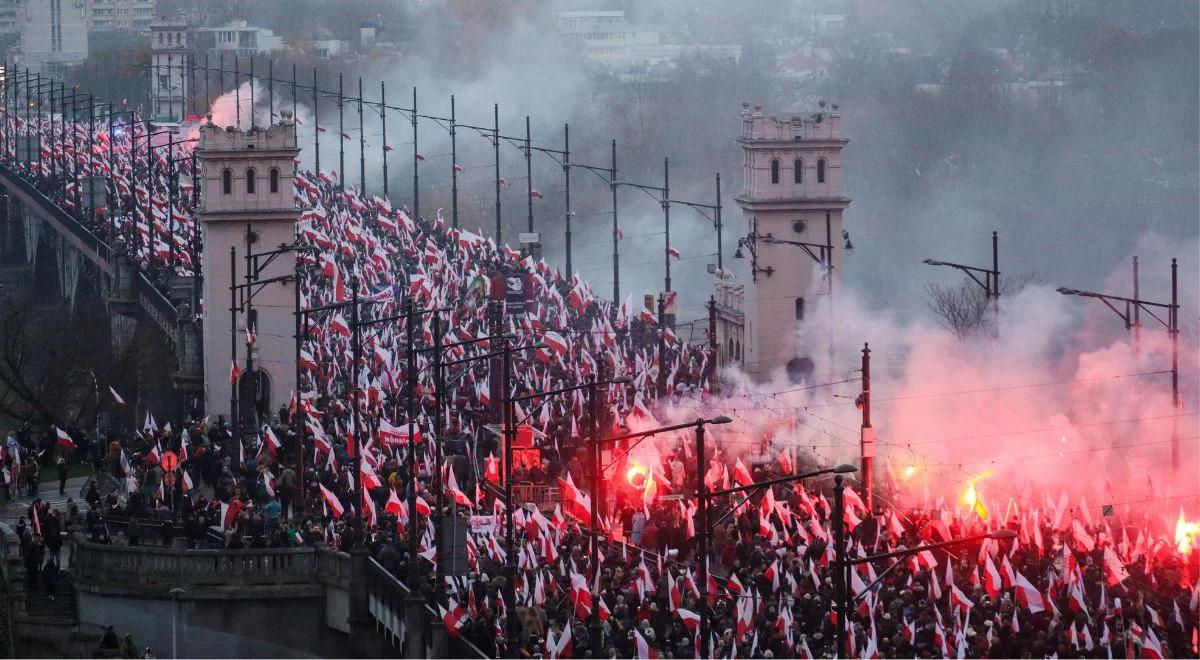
{"x": 965, "y": 309}
{"x": 49, "y": 359}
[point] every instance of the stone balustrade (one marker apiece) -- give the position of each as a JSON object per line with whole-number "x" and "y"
{"x": 134, "y": 567}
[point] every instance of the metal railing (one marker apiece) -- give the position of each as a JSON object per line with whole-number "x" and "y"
{"x": 386, "y": 596}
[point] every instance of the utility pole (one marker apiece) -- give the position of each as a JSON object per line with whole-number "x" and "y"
{"x": 414, "y": 604}
{"x": 1176, "y": 401}
{"x": 867, "y": 437}
{"x": 703, "y": 530}
{"x": 512, "y": 626}
{"x": 233, "y": 312}
{"x": 839, "y": 573}
{"x": 594, "y": 625}
{"x": 662, "y": 345}
{"x": 616, "y": 229}
{"x": 714, "y": 347}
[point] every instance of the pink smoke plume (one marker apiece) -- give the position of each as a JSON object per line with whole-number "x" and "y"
{"x": 1060, "y": 402}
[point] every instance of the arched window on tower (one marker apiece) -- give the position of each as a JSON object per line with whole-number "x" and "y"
{"x": 251, "y": 181}
{"x": 775, "y": 170}
{"x": 800, "y": 309}
{"x": 227, "y": 182}
{"x": 798, "y": 170}
{"x": 274, "y": 179}
{"x": 821, "y": 171}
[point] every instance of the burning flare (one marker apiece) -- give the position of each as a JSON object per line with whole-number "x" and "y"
{"x": 972, "y": 499}
{"x": 636, "y": 475}
{"x": 1186, "y": 533}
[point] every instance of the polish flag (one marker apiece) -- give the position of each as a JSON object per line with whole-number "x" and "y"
{"x": 273, "y": 444}
{"x": 561, "y": 647}
{"x": 394, "y": 505}
{"x": 453, "y": 617}
{"x": 334, "y": 503}
{"x": 742, "y": 475}
{"x": 691, "y": 620}
{"x": 235, "y": 373}
{"x": 644, "y": 652}
{"x": 1114, "y": 569}
{"x": 556, "y": 342}
{"x": 991, "y": 578}
{"x": 1028, "y": 595}
{"x": 116, "y": 397}
{"x": 580, "y": 595}
{"x": 785, "y": 462}
{"x": 457, "y": 168}
{"x": 536, "y": 194}
{"x": 423, "y": 508}
{"x": 673, "y": 252}
{"x": 388, "y": 147}
{"x": 229, "y": 513}
{"x": 959, "y": 599}
{"x": 420, "y": 157}
{"x": 64, "y": 440}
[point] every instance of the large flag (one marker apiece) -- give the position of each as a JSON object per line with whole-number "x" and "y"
{"x": 64, "y": 440}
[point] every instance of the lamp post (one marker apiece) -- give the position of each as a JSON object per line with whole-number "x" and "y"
{"x": 593, "y": 386}
{"x": 1132, "y": 318}
{"x": 702, "y": 500}
{"x": 991, "y": 277}
{"x": 175, "y": 594}
{"x": 842, "y": 565}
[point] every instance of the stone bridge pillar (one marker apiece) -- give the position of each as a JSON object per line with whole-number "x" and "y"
{"x": 122, "y": 299}
{"x": 189, "y": 378}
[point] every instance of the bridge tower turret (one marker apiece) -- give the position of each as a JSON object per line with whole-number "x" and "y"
{"x": 247, "y": 204}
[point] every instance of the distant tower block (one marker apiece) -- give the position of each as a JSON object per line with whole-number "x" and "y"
{"x": 792, "y": 183}
{"x": 247, "y": 202}
{"x": 169, "y": 80}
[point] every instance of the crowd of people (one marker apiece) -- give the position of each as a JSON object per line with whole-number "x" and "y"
{"x": 1065, "y": 586}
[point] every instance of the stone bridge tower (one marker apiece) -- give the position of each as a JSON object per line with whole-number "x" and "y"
{"x": 792, "y": 194}
{"x": 247, "y": 204}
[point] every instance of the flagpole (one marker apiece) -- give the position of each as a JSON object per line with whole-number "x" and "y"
{"x": 233, "y": 311}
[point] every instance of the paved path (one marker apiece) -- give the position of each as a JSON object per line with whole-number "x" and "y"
{"x": 47, "y": 492}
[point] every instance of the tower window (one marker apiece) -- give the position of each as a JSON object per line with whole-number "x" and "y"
{"x": 274, "y": 177}
{"x": 251, "y": 182}
{"x": 227, "y": 182}
{"x": 821, "y": 171}
{"x": 798, "y": 170}
{"x": 800, "y": 309}
{"x": 775, "y": 171}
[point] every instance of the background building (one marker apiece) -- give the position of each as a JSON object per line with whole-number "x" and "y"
{"x": 792, "y": 193}
{"x": 54, "y": 36}
{"x": 236, "y": 37}
{"x": 170, "y": 57}
{"x": 107, "y": 15}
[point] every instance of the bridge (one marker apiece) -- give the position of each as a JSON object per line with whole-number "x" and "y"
{"x": 289, "y": 602}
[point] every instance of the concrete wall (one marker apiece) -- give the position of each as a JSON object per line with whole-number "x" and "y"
{"x": 221, "y": 628}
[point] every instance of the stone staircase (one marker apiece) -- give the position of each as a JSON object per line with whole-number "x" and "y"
{"x": 41, "y": 624}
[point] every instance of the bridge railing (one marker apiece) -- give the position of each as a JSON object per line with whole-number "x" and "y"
{"x": 386, "y": 601}
{"x": 91, "y": 245}
{"x": 141, "y": 565}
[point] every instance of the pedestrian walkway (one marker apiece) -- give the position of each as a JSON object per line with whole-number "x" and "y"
{"x": 46, "y": 493}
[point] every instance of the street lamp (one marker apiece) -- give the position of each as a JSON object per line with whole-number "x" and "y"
{"x": 175, "y": 595}
{"x": 991, "y": 276}
{"x": 843, "y": 565}
{"x": 1132, "y": 318}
